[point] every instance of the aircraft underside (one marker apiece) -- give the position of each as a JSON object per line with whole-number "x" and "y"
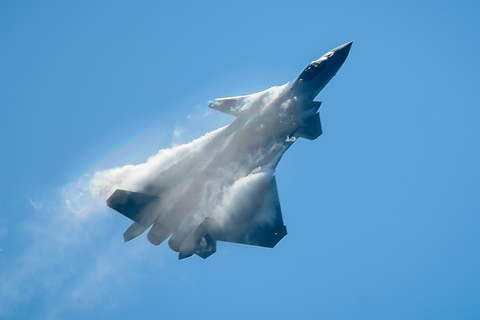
{"x": 226, "y": 189}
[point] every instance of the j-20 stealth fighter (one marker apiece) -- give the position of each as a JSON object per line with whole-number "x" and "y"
{"x": 226, "y": 190}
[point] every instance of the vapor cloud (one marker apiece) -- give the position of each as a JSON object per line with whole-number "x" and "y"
{"x": 75, "y": 253}
{"x": 135, "y": 177}
{"x": 76, "y": 256}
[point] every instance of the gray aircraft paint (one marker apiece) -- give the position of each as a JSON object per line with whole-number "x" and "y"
{"x": 194, "y": 201}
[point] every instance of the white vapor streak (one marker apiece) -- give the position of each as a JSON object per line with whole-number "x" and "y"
{"x": 75, "y": 255}
{"x": 237, "y": 198}
{"x": 134, "y": 177}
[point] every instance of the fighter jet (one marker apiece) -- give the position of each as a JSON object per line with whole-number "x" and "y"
{"x": 193, "y": 200}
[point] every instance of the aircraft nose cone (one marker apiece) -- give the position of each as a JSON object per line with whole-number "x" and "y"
{"x": 344, "y": 48}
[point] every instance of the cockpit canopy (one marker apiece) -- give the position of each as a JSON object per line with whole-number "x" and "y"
{"x": 311, "y": 71}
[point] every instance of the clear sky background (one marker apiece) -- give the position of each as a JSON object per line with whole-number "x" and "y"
{"x": 382, "y": 211}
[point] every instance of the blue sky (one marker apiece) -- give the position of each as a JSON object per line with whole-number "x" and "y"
{"x": 382, "y": 211}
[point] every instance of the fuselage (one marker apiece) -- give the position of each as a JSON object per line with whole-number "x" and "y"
{"x": 256, "y": 140}
{"x": 252, "y": 144}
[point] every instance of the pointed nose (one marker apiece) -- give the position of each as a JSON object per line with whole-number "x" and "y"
{"x": 344, "y": 48}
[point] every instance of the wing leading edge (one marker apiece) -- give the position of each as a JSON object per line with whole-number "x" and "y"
{"x": 232, "y": 105}
{"x": 235, "y": 106}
